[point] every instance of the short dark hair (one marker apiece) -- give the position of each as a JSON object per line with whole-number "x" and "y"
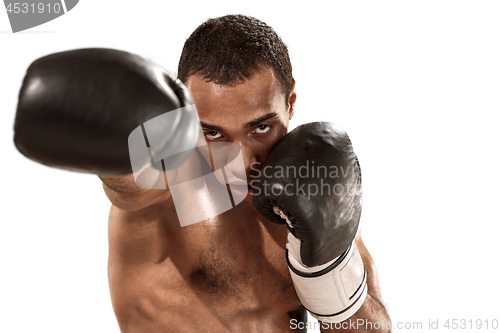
{"x": 228, "y": 49}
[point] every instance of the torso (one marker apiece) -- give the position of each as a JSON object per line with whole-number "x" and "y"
{"x": 225, "y": 274}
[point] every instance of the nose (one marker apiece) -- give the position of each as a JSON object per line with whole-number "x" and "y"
{"x": 245, "y": 171}
{"x": 250, "y": 159}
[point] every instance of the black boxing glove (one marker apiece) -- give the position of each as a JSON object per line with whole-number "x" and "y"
{"x": 77, "y": 109}
{"x": 312, "y": 182}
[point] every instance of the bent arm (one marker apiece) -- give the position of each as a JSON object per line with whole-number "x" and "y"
{"x": 372, "y": 311}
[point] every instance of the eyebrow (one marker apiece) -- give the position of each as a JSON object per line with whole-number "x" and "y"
{"x": 251, "y": 123}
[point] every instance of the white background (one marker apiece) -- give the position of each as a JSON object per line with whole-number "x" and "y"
{"x": 415, "y": 84}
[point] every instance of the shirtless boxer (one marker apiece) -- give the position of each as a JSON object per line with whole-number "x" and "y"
{"x": 231, "y": 272}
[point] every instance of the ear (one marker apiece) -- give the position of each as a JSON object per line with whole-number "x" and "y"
{"x": 291, "y": 100}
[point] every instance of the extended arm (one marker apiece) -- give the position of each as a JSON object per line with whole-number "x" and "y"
{"x": 110, "y": 113}
{"x": 124, "y": 193}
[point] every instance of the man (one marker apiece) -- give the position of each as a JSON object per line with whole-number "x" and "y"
{"x": 230, "y": 272}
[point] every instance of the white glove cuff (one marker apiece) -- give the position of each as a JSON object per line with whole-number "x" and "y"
{"x": 331, "y": 292}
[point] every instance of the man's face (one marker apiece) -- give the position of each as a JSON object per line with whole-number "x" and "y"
{"x": 253, "y": 115}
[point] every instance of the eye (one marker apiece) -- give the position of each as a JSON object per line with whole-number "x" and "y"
{"x": 262, "y": 129}
{"x": 212, "y": 135}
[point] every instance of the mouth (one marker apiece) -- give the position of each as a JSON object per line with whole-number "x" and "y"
{"x": 240, "y": 190}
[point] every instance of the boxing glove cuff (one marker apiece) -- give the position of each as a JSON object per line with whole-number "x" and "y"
{"x": 332, "y": 292}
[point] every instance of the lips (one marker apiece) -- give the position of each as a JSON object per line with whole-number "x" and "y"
{"x": 240, "y": 189}
{"x": 237, "y": 182}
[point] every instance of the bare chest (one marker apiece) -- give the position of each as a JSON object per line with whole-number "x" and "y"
{"x": 232, "y": 266}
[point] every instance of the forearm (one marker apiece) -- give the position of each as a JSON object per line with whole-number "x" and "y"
{"x": 371, "y": 317}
